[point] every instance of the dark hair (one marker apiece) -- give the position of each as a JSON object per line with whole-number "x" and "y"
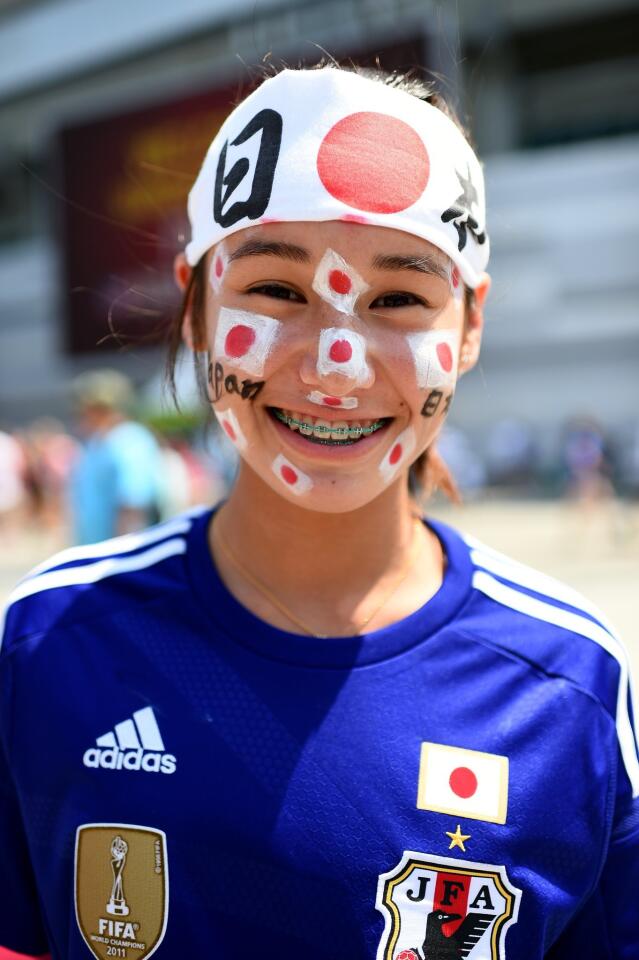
{"x": 429, "y": 472}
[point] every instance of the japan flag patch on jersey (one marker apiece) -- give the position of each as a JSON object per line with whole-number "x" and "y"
{"x": 463, "y": 783}
{"x": 244, "y": 340}
{"x": 437, "y": 908}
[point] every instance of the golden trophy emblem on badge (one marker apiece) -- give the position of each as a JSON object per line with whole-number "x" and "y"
{"x": 117, "y": 905}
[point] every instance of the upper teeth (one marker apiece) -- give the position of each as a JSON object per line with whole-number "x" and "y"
{"x": 325, "y": 430}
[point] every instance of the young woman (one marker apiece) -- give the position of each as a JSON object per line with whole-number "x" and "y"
{"x": 312, "y": 723}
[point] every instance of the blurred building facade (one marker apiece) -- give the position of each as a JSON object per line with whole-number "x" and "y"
{"x": 553, "y": 93}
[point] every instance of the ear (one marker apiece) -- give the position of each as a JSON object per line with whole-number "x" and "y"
{"x": 183, "y": 273}
{"x": 473, "y": 326}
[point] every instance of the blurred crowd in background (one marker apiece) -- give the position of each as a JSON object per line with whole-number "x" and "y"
{"x": 113, "y": 470}
{"x": 110, "y": 472}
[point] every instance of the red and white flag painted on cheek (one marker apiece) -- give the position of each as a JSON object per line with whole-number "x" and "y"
{"x": 290, "y": 475}
{"x": 244, "y": 340}
{"x": 399, "y": 452}
{"x": 231, "y": 427}
{"x": 463, "y": 783}
{"x": 338, "y": 283}
{"x": 435, "y": 357}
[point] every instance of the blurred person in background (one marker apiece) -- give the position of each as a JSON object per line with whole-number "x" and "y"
{"x": 587, "y": 463}
{"x": 115, "y": 480}
{"x": 50, "y": 452}
{"x": 342, "y": 728}
{"x": 13, "y": 488}
{"x": 595, "y": 514}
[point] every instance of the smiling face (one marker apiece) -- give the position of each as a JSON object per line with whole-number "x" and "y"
{"x": 333, "y": 354}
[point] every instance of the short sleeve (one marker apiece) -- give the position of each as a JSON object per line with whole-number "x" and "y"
{"x": 21, "y": 925}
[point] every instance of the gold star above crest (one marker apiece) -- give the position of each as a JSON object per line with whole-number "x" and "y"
{"x": 457, "y": 838}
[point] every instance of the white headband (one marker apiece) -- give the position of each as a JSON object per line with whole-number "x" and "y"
{"x": 329, "y": 144}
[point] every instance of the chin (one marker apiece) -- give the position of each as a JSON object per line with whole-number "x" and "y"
{"x": 334, "y": 496}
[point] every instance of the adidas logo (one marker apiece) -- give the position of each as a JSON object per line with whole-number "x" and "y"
{"x": 136, "y": 744}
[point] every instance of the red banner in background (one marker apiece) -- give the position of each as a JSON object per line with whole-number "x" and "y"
{"x": 125, "y": 184}
{"x": 126, "y": 180}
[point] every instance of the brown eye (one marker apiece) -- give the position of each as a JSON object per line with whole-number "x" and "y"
{"x": 278, "y": 291}
{"x": 397, "y": 299}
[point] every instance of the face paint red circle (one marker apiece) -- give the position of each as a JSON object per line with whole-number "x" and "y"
{"x": 463, "y": 782}
{"x": 372, "y": 161}
{"x": 339, "y": 281}
{"x": 445, "y": 356}
{"x": 332, "y": 401}
{"x": 395, "y": 454}
{"x": 239, "y": 340}
{"x": 288, "y": 474}
{"x": 455, "y": 277}
{"x": 219, "y": 267}
{"x": 340, "y": 351}
{"x": 229, "y": 431}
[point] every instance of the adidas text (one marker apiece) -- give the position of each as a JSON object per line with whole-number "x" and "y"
{"x": 112, "y": 758}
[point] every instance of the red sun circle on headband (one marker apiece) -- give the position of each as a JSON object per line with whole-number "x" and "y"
{"x": 341, "y": 351}
{"x": 288, "y": 475}
{"x": 463, "y": 782}
{"x": 445, "y": 356}
{"x": 339, "y": 281}
{"x": 239, "y": 340}
{"x": 375, "y": 162}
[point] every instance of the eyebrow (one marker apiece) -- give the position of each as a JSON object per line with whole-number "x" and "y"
{"x": 271, "y": 248}
{"x": 291, "y": 251}
{"x": 421, "y": 264}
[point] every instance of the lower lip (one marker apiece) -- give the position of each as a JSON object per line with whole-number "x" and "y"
{"x": 325, "y": 451}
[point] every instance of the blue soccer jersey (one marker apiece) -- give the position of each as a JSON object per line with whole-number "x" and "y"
{"x": 178, "y": 777}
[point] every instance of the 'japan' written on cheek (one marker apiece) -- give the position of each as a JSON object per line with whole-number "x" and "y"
{"x": 243, "y": 341}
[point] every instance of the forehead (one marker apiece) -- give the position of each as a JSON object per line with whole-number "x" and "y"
{"x": 359, "y": 244}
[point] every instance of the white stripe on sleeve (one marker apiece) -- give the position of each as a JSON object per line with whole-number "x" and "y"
{"x": 118, "y": 545}
{"x": 92, "y": 572}
{"x": 510, "y": 597}
{"x": 508, "y": 569}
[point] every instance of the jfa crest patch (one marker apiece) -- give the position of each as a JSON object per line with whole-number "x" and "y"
{"x": 437, "y": 908}
{"x": 121, "y": 889}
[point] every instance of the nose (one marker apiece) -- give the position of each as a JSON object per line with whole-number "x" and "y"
{"x": 338, "y": 362}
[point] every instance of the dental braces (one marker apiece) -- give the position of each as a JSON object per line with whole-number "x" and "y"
{"x": 352, "y": 433}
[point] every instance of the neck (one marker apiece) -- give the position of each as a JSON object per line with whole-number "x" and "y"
{"x": 337, "y": 573}
{"x": 281, "y": 542}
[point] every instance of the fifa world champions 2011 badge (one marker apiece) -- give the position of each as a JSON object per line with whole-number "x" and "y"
{"x": 121, "y": 889}
{"x": 438, "y": 908}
